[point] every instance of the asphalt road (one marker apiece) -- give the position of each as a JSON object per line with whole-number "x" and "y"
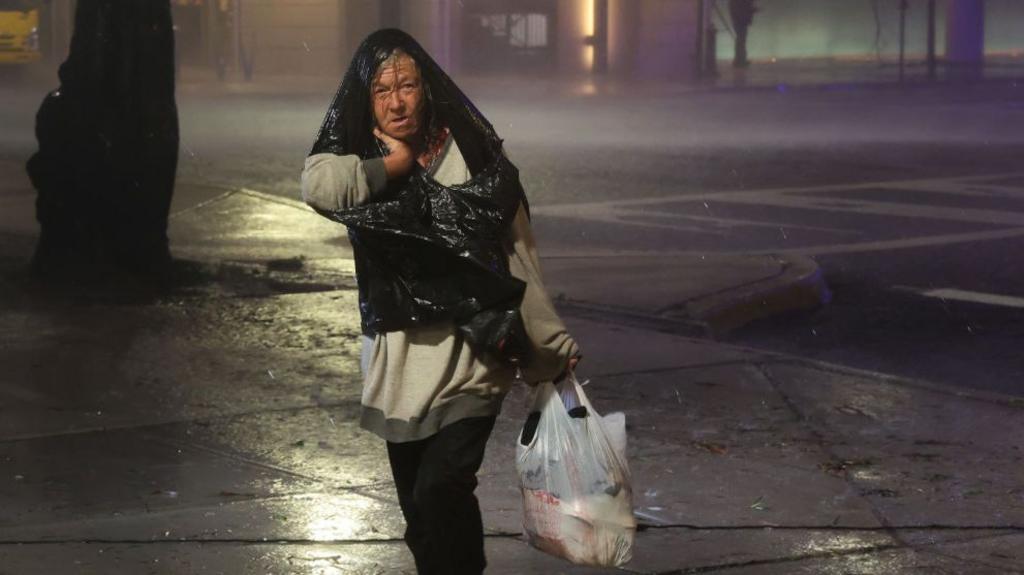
{"x": 897, "y": 193}
{"x": 925, "y": 273}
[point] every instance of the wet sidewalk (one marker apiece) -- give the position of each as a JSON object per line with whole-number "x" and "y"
{"x": 213, "y": 428}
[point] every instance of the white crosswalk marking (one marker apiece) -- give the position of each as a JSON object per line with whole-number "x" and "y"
{"x": 989, "y": 208}
{"x": 970, "y": 296}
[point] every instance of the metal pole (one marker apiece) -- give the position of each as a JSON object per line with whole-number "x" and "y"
{"x": 601, "y": 36}
{"x": 903, "y": 35}
{"x": 931, "y": 39}
{"x": 53, "y": 32}
{"x": 239, "y": 57}
{"x": 701, "y": 10}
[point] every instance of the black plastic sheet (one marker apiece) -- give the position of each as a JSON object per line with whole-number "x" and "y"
{"x": 108, "y": 141}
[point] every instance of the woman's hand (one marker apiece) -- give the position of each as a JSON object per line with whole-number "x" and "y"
{"x": 400, "y": 156}
{"x": 571, "y": 367}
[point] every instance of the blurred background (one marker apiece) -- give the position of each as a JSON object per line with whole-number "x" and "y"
{"x": 666, "y": 40}
{"x": 892, "y": 127}
{"x": 796, "y": 270}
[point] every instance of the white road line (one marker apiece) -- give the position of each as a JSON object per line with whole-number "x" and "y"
{"x": 993, "y": 217}
{"x": 906, "y": 243}
{"x": 737, "y": 223}
{"x": 618, "y": 220}
{"x": 611, "y": 211}
{"x": 970, "y": 296}
{"x": 816, "y": 250}
{"x": 966, "y": 189}
{"x": 594, "y": 212}
{"x": 922, "y": 183}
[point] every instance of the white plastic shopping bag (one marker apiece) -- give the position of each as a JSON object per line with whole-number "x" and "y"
{"x": 577, "y": 499}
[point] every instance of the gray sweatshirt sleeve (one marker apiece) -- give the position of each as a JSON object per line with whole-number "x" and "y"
{"x": 332, "y": 182}
{"x": 551, "y": 345}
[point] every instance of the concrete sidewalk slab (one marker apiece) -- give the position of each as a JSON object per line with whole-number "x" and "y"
{"x": 154, "y": 369}
{"x": 918, "y": 456}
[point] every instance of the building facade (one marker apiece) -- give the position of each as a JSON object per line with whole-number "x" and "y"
{"x": 646, "y": 39}
{"x": 870, "y": 29}
{"x": 572, "y": 37}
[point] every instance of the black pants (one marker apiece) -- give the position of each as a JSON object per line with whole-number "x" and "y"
{"x": 435, "y": 478}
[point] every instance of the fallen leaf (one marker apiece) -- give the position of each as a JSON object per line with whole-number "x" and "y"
{"x": 715, "y": 448}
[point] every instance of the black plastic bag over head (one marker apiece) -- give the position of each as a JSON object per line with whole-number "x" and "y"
{"x": 426, "y": 252}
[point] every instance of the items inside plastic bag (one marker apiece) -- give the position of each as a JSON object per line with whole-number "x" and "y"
{"x": 577, "y": 499}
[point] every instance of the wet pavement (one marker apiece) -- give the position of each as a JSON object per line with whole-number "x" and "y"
{"x": 211, "y": 427}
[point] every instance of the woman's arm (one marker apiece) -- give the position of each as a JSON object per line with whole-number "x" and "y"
{"x": 553, "y": 350}
{"x": 331, "y": 182}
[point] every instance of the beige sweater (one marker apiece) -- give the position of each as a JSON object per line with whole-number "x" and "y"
{"x": 420, "y": 379}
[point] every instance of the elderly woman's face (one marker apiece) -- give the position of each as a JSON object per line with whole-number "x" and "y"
{"x": 397, "y": 95}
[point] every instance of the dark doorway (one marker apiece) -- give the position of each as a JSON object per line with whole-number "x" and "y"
{"x": 510, "y": 36}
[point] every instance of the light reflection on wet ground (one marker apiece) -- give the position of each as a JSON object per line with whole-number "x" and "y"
{"x": 280, "y": 458}
{"x": 831, "y": 543}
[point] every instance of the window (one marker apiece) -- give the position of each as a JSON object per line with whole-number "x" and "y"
{"x": 528, "y": 30}
{"x": 18, "y": 5}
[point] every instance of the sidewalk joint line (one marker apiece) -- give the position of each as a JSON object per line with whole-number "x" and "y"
{"x": 515, "y": 534}
{"x": 230, "y": 541}
{"x": 784, "y": 560}
{"x": 870, "y": 549}
{"x": 1009, "y": 529}
{"x": 824, "y": 446}
{"x": 969, "y": 560}
{"x": 173, "y": 422}
{"x": 275, "y": 199}
{"x": 218, "y": 198}
{"x": 234, "y": 457}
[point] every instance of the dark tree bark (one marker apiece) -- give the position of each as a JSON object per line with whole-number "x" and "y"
{"x": 108, "y": 143}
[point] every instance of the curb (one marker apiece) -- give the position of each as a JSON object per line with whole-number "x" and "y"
{"x": 796, "y": 284}
{"x": 799, "y": 286}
